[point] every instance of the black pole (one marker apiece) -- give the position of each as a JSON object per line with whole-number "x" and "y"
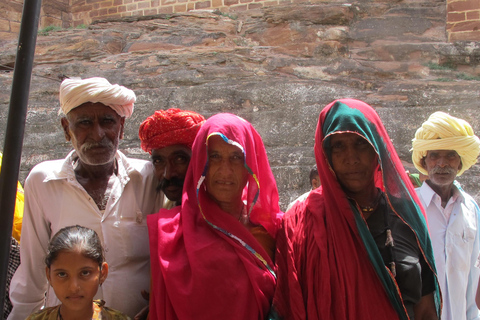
{"x": 17, "y": 115}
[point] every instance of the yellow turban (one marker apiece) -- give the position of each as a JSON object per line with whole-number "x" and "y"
{"x": 75, "y": 92}
{"x": 444, "y": 132}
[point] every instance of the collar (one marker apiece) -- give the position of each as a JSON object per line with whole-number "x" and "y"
{"x": 66, "y": 170}
{"x": 428, "y": 193}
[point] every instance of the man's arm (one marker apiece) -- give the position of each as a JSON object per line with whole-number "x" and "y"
{"x": 477, "y": 296}
{"x": 473, "y": 277}
{"x": 28, "y": 286}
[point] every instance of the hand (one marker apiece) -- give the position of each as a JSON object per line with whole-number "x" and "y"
{"x": 143, "y": 314}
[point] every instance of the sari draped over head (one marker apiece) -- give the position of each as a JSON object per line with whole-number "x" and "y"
{"x": 329, "y": 266}
{"x": 205, "y": 263}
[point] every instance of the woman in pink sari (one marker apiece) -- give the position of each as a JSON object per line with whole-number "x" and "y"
{"x": 212, "y": 257}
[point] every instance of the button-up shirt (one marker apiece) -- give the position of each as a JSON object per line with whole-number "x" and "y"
{"x": 455, "y": 243}
{"x": 55, "y": 199}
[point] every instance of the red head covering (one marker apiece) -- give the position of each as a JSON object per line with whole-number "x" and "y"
{"x": 209, "y": 266}
{"x": 169, "y": 127}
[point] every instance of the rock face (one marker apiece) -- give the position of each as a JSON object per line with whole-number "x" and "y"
{"x": 277, "y": 67}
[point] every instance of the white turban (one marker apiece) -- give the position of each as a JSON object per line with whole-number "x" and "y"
{"x": 75, "y": 92}
{"x": 444, "y": 132}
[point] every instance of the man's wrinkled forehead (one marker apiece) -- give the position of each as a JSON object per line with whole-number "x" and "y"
{"x": 178, "y": 149}
{"x": 90, "y": 109}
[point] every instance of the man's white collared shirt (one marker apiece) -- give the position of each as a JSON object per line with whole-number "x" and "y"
{"x": 55, "y": 199}
{"x": 455, "y": 240}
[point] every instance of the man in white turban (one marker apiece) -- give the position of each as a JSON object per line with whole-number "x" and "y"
{"x": 443, "y": 148}
{"x": 95, "y": 186}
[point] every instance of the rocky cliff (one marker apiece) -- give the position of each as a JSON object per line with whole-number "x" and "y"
{"x": 277, "y": 67}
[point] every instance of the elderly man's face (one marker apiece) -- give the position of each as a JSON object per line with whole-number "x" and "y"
{"x": 171, "y": 164}
{"x": 94, "y": 130}
{"x": 442, "y": 166}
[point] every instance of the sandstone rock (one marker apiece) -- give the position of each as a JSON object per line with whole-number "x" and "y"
{"x": 276, "y": 67}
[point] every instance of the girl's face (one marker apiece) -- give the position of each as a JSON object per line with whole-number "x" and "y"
{"x": 75, "y": 280}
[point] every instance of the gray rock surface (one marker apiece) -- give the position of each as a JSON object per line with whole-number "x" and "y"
{"x": 277, "y": 67}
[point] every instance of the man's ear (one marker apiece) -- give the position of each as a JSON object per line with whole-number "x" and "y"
{"x": 66, "y": 126}
{"x": 423, "y": 163}
{"x": 461, "y": 165}
{"x": 122, "y": 122}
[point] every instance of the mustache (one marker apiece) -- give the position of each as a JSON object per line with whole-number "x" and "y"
{"x": 105, "y": 143}
{"x": 448, "y": 170}
{"x": 165, "y": 183}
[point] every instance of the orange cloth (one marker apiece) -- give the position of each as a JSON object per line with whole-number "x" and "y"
{"x": 265, "y": 239}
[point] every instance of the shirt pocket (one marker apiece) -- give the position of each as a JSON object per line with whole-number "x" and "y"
{"x": 463, "y": 241}
{"x": 134, "y": 232}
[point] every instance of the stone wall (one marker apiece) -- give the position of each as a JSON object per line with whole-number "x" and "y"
{"x": 10, "y": 18}
{"x": 463, "y": 20}
{"x": 87, "y": 11}
{"x": 55, "y": 13}
{"x": 463, "y": 16}
{"x": 276, "y": 66}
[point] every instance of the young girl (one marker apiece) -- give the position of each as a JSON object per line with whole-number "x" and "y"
{"x": 75, "y": 268}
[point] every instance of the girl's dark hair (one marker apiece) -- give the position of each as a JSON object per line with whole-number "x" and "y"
{"x": 75, "y": 238}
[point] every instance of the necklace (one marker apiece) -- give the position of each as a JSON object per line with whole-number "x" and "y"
{"x": 373, "y": 206}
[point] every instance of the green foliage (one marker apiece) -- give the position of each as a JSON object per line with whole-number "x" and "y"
{"x": 443, "y": 80}
{"x": 46, "y": 31}
{"x": 464, "y": 76}
{"x": 226, "y": 14}
{"x": 445, "y": 66}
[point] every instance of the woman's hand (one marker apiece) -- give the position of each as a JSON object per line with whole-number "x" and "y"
{"x": 425, "y": 308}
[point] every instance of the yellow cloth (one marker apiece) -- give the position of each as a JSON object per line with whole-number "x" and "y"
{"x": 100, "y": 312}
{"x": 444, "y": 132}
{"x": 19, "y": 205}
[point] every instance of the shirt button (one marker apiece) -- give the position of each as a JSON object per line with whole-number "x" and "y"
{"x": 139, "y": 217}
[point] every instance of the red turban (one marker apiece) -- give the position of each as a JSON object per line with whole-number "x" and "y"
{"x": 169, "y": 127}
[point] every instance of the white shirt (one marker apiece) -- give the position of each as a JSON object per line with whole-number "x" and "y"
{"x": 54, "y": 199}
{"x": 455, "y": 245}
{"x": 301, "y": 198}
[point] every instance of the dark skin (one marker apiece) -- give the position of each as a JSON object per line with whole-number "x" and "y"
{"x": 171, "y": 164}
{"x": 477, "y": 296}
{"x": 354, "y": 161}
{"x": 442, "y": 167}
{"x": 226, "y": 175}
{"x": 94, "y": 131}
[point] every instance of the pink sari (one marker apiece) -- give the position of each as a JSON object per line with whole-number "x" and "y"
{"x": 205, "y": 263}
